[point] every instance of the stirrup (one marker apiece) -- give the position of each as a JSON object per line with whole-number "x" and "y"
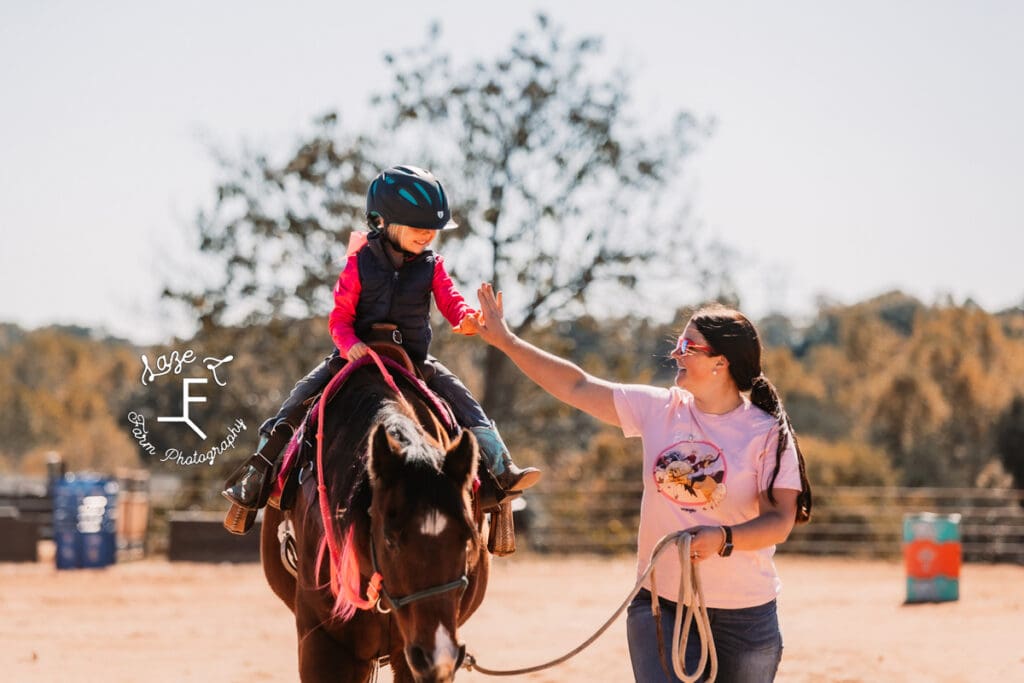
{"x": 501, "y": 540}
{"x": 239, "y": 520}
{"x": 492, "y": 497}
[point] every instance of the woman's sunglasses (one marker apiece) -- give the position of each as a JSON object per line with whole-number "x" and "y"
{"x": 685, "y": 347}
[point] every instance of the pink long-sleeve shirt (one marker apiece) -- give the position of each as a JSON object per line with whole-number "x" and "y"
{"x": 342, "y": 321}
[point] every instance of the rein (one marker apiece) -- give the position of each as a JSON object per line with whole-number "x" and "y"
{"x": 691, "y": 600}
{"x": 375, "y": 588}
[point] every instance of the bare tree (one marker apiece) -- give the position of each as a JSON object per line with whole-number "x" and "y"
{"x": 563, "y": 202}
{"x": 274, "y": 236}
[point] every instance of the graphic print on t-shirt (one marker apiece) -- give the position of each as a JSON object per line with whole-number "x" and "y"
{"x": 691, "y": 474}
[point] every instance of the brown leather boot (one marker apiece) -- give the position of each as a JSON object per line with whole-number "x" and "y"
{"x": 249, "y": 486}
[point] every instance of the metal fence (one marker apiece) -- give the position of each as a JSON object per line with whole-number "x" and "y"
{"x": 869, "y": 521}
{"x": 862, "y": 521}
{"x": 603, "y": 518}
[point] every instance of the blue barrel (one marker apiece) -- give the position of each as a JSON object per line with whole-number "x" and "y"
{"x": 85, "y": 521}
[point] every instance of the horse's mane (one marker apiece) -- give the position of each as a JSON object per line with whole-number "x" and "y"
{"x": 362, "y": 405}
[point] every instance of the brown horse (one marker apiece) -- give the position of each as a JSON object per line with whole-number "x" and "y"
{"x": 400, "y": 490}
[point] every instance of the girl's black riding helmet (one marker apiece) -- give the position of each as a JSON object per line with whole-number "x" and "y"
{"x": 408, "y": 195}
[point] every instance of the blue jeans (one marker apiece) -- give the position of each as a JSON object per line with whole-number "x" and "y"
{"x": 444, "y": 383}
{"x": 748, "y": 642}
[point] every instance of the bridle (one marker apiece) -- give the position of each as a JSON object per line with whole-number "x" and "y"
{"x": 395, "y": 603}
{"x": 376, "y": 592}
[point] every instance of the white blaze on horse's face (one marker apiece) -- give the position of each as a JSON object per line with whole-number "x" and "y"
{"x": 433, "y": 523}
{"x": 446, "y": 652}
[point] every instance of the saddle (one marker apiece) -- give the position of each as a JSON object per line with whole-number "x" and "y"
{"x": 386, "y": 340}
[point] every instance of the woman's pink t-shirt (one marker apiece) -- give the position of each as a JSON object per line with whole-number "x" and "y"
{"x": 701, "y": 468}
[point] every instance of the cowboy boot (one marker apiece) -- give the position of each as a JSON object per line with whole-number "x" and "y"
{"x": 510, "y": 477}
{"x": 249, "y": 486}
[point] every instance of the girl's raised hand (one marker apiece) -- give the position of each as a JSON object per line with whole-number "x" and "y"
{"x": 468, "y": 325}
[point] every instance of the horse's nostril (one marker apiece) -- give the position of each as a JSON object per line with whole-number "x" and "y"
{"x": 461, "y": 658}
{"x": 419, "y": 659}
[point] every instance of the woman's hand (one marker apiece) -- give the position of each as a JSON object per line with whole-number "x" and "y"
{"x": 562, "y": 379}
{"x": 490, "y": 321}
{"x": 357, "y": 351}
{"x": 705, "y": 542}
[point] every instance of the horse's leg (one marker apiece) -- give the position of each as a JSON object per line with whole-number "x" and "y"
{"x": 322, "y": 659}
{"x": 280, "y": 579}
{"x": 477, "y": 589}
{"x": 401, "y": 673}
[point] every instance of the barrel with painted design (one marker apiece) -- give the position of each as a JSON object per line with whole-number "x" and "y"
{"x": 932, "y": 556}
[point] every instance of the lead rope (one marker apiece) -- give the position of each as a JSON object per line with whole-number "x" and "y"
{"x": 691, "y": 598}
{"x": 690, "y": 591}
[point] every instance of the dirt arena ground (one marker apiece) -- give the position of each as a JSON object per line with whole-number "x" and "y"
{"x": 153, "y": 621}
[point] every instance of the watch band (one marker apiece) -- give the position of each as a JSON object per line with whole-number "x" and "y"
{"x": 726, "y": 550}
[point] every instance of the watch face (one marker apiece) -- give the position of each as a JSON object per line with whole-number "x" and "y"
{"x": 727, "y": 546}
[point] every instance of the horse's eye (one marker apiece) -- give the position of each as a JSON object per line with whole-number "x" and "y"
{"x": 391, "y": 540}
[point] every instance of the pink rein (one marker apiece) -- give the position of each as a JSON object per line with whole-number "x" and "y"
{"x": 348, "y": 564}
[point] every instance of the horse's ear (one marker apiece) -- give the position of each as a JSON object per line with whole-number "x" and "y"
{"x": 460, "y": 460}
{"x": 385, "y": 455}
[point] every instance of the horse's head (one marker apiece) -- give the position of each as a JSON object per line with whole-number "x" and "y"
{"x": 423, "y": 538}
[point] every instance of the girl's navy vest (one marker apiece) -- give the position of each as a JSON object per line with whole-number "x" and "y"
{"x": 395, "y": 295}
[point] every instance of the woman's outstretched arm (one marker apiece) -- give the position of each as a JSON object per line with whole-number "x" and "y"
{"x": 560, "y": 378}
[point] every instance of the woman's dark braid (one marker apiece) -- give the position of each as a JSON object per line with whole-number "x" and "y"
{"x": 731, "y": 334}
{"x": 764, "y": 395}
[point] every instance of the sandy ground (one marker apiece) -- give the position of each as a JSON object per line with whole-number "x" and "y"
{"x": 843, "y": 620}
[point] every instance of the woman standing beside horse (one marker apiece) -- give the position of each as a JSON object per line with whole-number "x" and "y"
{"x": 720, "y": 461}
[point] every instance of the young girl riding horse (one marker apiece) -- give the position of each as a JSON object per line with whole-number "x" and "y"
{"x": 388, "y": 279}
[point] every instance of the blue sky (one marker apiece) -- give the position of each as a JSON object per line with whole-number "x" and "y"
{"x": 859, "y": 147}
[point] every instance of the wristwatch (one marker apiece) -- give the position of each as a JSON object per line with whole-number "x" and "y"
{"x": 726, "y": 550}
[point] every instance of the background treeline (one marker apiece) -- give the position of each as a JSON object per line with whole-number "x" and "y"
{"x": 888, "y": 391}
{"x": 577, "y": 208}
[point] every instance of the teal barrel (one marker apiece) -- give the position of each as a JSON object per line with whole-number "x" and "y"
{"x": 932, "y": 556}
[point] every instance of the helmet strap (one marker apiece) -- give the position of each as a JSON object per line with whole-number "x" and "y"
{"x": 375, "y": 223}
